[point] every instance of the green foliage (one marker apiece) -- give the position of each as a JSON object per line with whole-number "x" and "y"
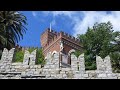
{"x": 77, "y": 53}
{"x": 40, "y": 57}
{"x": 18, "y": 56}
{"x": 31, "y": 49}
{"x": 96, "y": 41}
{"x": 90, "y": 65}
{"x": 11, "y": 28}
{"x": 115, "y": 60}
{"x": 115, "y": 53}
{"x": 90, "y": 61}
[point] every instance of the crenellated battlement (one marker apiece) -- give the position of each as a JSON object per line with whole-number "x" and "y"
{"x": 69, "y": 37}
{"x": 23, "y": 48}
{"x": 53, "y": 69}
{"x": 59, "y": 35}
{"x": 48, "y": 30}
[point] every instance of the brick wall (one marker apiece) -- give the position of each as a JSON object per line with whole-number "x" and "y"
{"x": 50, "y": 41}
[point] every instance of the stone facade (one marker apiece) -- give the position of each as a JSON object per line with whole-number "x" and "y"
{"x": 52, "y": 69}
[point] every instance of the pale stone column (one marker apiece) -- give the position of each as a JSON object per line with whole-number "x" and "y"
{"x": 73, "y": 62}
{"x": 33, "y": 58}
{"x": 103, "y": 65}
{"x": 81, "y": 63}
{"x": 29, "y": 58}
{"x": 6, "y": 60}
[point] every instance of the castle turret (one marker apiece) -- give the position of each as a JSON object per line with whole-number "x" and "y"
{"x": 50, "y": 41}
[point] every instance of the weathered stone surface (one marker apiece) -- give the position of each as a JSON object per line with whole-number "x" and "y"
{"x": 102, "y": 75}
{"x": 51, "y": 69}
{"x": 18, "y": 63}
{"x": 29, "y": 59}
{"x": 104, "y": 65}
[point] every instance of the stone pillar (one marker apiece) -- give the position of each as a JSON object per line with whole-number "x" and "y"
{"x": 52, "y": 66}
{"x": 74, "y": 61}
{"x": 33, "y": 58}
{"x": 56, "y": 60}
{"x": 81, "y": 63}
{"x": 29, "y": 58}
{"x": 103, "y": 65}
{"x": 6, "y": 59}
{"x": 108, "y": 64}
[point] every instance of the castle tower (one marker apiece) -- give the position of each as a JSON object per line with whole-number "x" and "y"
{"x": 47, "y": 37}
{"x": 52, "y": 41}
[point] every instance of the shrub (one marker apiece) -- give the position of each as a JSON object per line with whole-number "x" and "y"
{"x": 115, "y": 61}
{"x": 77, "y": 53}
{"x": 18, "y": 56}
{"x": 90, "y": 62}
{"x": 90, "y": 65}
{"x": 31, "y": 49}
{"x": 40, "y": 57}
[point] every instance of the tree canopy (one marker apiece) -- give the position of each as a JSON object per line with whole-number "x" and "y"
{"x": 100, "y": 40}
{"x": 12, "y": 27}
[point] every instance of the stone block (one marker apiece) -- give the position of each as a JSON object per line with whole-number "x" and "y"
{"x": 36, "y": 73}
{"x": 39, "y": 66}
{"x": 26, "y": 66}
{"x": 35, "y": 66}
{"x": 62, "y": 72}
{"x": 102, "y": 75}
{"x": 31, "y": 66}
{"x": 17, "y": 66}
{"x": 85, "y": 75}
{"x": 13, "y": 69}
{"x": 2, "y": 70}
{"x": 109, "y": 75}
{"x": 29, "y": 73}
{"x": 92, "y": 74}
{"x": 46, "y": 66}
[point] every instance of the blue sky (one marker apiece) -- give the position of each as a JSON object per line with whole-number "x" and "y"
{"x": 72, "y": 22}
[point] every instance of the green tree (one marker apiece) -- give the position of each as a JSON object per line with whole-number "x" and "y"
{"x": 40, "y": 57}
{"x": 11, "y": 28}
{"x": 115, "y": 60}
{"x": 115, "y": 53}
{"x": 18, "y": 56}
{"x": 77, "y": 53}
{"x": 96, "y": 41}
{"x": 31, "y": 49}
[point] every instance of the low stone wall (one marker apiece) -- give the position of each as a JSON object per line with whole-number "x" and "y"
{"x": 52, "y": 69}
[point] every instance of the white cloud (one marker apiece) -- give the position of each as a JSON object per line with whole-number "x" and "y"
{"x": 34, "y": 13}
{"x": 53, "y": 22}
{"x": 88, "y": 19}
{"x": 91, "y": 17}
{"x": 58, "y": 13}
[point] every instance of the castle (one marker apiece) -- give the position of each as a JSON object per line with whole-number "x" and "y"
{"x": 52, "y": 42}
{"x": 56, "y": 46}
